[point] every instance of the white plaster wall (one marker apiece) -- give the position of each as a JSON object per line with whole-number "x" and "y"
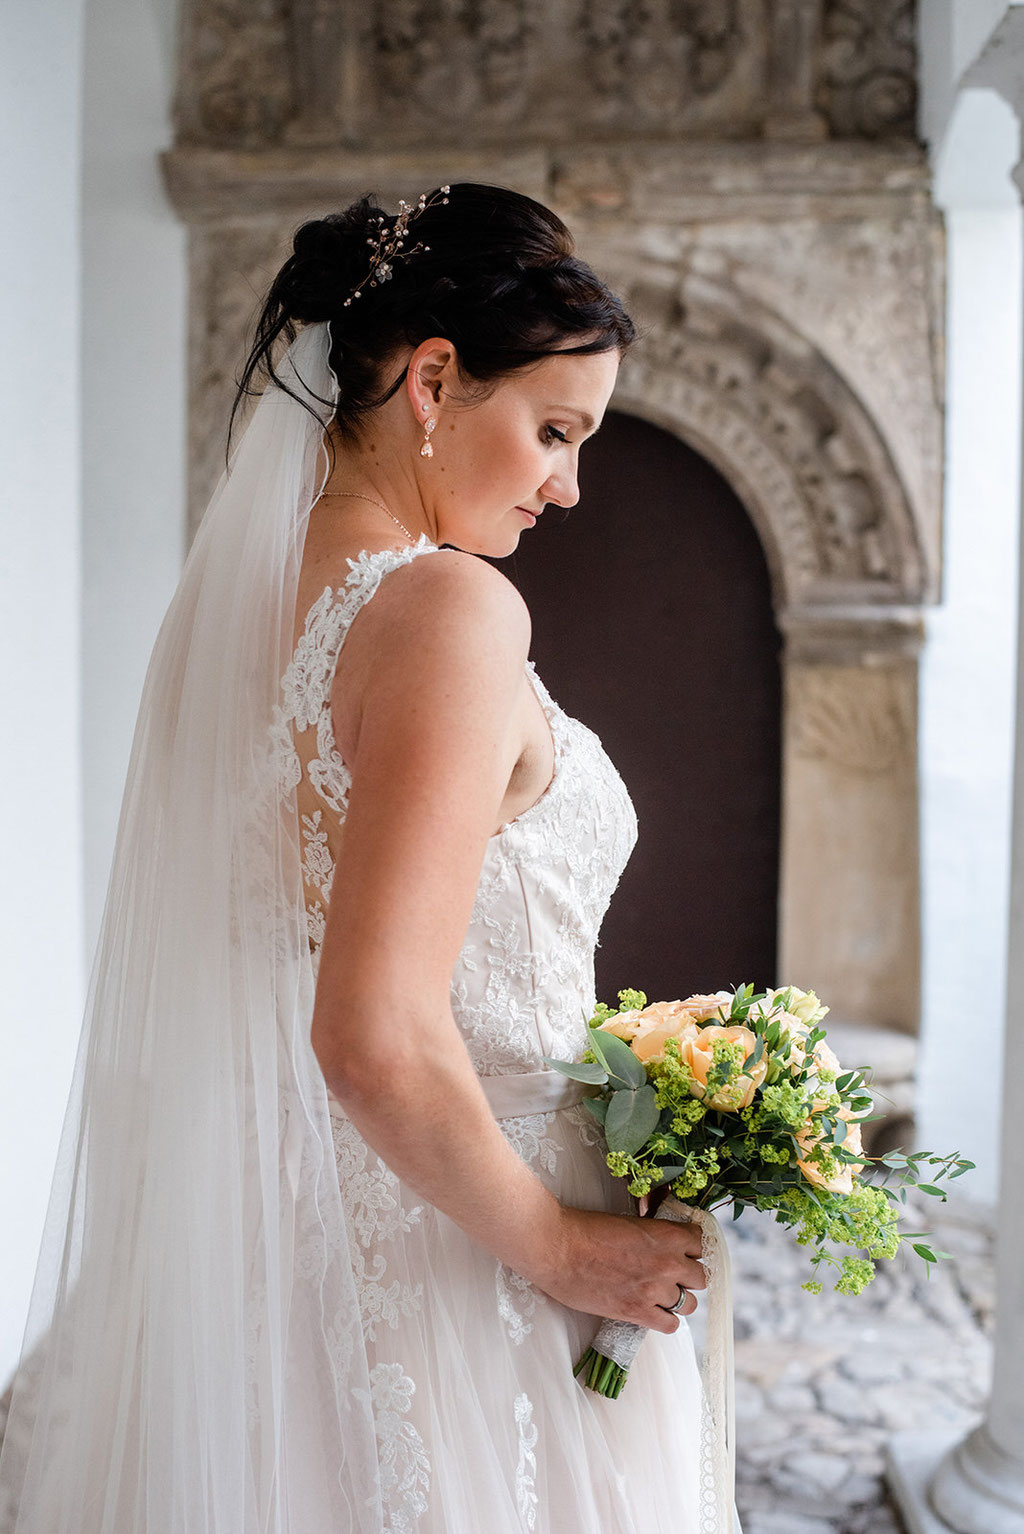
{"x": 968, "y": 668}
{"x": 93, "y": 262}
{"x": 41, "y": 921}
{"x": 133, "y": 396}
{"x": 950, "y": 37}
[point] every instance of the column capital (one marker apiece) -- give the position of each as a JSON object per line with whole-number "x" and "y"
{"x": 862, "y": 634}
{"x": 1000, "y": 66}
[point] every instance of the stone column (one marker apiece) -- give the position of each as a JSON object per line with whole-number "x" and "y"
{"x": 850, "y": 858}
{"x": 976, "y": 1486}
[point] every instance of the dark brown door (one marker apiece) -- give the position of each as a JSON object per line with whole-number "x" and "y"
{"x": 653, "y": 625}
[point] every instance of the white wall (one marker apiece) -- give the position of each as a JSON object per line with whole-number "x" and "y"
{"x": 41, "y": 920}
{"x": 133, "y": 395}
{"x": 92, "y": 427}
{"x": 969, "y": 664}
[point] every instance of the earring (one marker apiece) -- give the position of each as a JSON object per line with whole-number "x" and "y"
{"x": 427, "y": 450}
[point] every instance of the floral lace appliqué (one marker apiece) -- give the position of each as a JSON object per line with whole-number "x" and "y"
{"x": 404, "y": 1464}
{"x": 517, "y": 1301}
{"x": 373, "y": 1210}
{"x": 526, "y": 1470}
{"x": 527, "y": 1138}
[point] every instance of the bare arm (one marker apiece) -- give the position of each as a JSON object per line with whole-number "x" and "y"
{"x": 436, "y": 743}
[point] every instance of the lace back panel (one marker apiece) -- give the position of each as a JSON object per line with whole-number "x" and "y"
{"x": 523, "y": 985}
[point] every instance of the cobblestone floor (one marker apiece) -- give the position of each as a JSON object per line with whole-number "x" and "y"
{"x": 824, "y": 1381}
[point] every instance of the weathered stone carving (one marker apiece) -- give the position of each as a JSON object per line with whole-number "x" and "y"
{"x": 792, "y": 70}
{"x": 235, "y": 83}
{"x": 318, "y": 31}
{"x": 868, "y": 78}
{"x": 776, "y": 417}
{"x": 455, "y": 62}
{"x": 841, "y": 721}
{"x": 330, "y": 72}
{"x": 651, "y": 66}
{"x": 230, "y": 270}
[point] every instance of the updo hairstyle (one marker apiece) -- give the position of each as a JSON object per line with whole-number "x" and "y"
{"x": 499, "y": 280}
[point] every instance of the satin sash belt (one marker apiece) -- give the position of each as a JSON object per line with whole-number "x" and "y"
{"x": 531, "y": 1092}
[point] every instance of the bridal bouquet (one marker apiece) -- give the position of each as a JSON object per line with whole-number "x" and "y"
{"x": 733, "y": 1100}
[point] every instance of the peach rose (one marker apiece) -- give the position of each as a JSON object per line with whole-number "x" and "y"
{"x": 792, "y": 1052}
{"x": 624, "y": 1024}
{"x": 698, "y": 1054}
{"x": 808, "y": 1140}
{"x": 647, "y": 1031}
{"x": 672, "y": 1022}
{"x": 702, "y": 1008}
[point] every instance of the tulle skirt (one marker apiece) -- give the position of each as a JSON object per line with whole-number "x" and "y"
{"x": 481, "y": 1426}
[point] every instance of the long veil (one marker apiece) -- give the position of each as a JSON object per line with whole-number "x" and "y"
{"x": 194, "y": 1361}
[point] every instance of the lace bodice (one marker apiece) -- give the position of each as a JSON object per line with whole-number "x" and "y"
{"x": 523, "y": 984}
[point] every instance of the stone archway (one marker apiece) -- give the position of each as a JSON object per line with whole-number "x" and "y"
{"x": 763, "y": 404}
{"x": 755, "y": 188}
{"x": 737, "y": 381}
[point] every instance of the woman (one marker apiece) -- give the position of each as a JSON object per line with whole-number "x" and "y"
{"x": 327, "y": 1238}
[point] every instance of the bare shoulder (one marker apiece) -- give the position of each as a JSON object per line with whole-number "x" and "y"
{"x": 453, "y": 599}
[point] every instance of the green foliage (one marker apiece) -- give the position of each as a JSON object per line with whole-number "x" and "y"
{"x": 625, "y": 1071}
{"x": 660, "y": 1130}
{"x": 631, "y": 1119}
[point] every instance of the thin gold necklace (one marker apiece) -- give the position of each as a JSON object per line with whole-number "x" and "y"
{"x": 357, "y": 495}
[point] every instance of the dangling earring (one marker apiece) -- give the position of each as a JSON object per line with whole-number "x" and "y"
{"x": 427, "y": 450}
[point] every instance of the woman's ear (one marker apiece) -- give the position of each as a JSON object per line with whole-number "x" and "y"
{"x": 431, "y": 369}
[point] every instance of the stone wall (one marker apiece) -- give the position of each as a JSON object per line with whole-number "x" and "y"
{"x": 746, "y": 175}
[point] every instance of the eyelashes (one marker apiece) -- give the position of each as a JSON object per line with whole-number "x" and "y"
{"x": 553, "y": 434}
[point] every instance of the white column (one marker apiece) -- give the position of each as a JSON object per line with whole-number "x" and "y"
{"x": 133, "y": 388}
{"x": 968, "y": 666}
{"x": 41, "y": 949}
{"x": 977, "y": 1485}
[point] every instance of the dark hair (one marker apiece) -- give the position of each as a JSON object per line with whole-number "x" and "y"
{"x": 499, "y": 280}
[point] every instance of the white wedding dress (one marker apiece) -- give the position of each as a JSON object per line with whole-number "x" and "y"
{"x": 481, "y": 1427}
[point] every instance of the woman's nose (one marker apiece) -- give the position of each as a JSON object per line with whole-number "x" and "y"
{"x": 562, "y": 488}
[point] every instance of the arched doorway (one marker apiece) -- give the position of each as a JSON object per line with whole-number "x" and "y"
{"x": 653, "y": 625}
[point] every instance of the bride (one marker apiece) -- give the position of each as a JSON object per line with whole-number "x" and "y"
{"x": 326, "y": 1238}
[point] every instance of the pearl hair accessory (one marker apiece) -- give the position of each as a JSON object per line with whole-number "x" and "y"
{"x": 388, "y": 244}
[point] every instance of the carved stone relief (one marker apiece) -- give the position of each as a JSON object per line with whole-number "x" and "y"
{"x": 849, "y": 897}
{"x": 449, "y": 61}
{"x": 230, "y": 269}
{"x": 839, "y": 722}
{"x": 235, "y": 85}
{"x": 331, "y": 72}
{"x": 868, "y": 83}
{"x": 868, "y": 296}
{"x": 746, "y": 388}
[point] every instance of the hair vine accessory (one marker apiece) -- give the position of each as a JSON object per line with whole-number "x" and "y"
{"x": 388, "y": 244}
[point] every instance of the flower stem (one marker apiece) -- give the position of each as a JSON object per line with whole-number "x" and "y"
{"x": 602, "y": 1375}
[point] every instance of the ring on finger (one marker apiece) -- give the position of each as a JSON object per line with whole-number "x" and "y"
{"x": 674, "y": 1310}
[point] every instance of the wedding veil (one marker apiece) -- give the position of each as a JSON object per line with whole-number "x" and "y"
{"x": 194, "y": 1360}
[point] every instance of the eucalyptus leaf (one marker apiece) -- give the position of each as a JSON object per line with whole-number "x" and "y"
{"x": 593, "y": 1075}
{"x": 631, "y": 1119}
{"x": 624, "y": 1069}
{"x": 597, "y": 1107}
